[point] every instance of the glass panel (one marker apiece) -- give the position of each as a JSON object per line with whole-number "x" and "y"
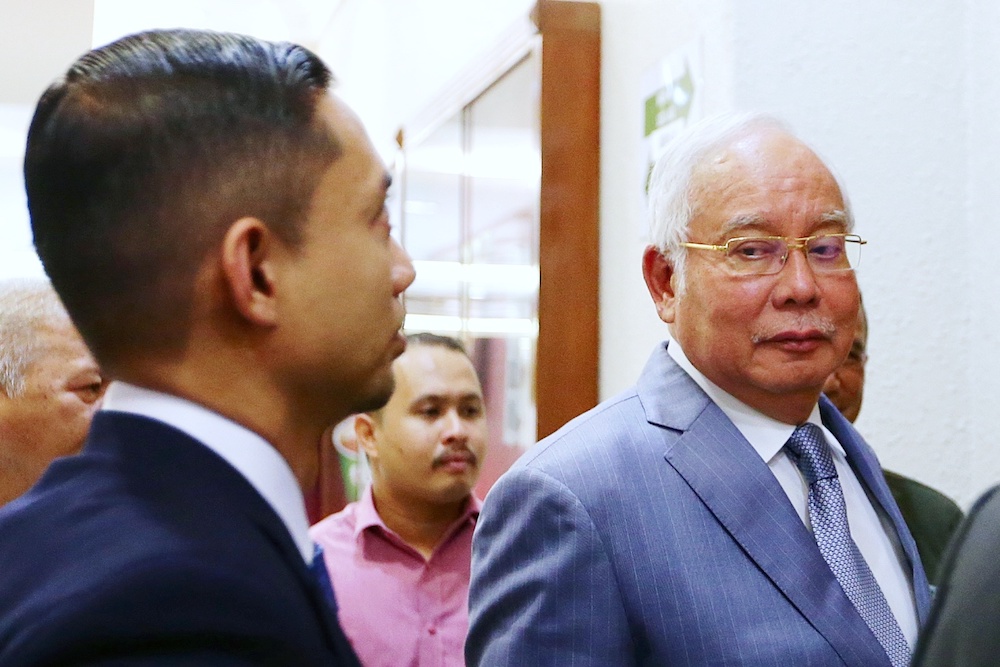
{"x": 470, "y": 223}
{"x": 504, "y": 144}
{"x": 504, "y": 149}
{"x": 432, "y": 222}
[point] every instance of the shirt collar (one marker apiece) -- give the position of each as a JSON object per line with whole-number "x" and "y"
{"x": 766, "y": 435}
{"x": 255, "y": 458}
{"x": 366, "y": 516}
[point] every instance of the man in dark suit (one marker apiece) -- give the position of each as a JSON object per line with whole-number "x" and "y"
{"x": 931, "y": 516}
{"x": 721, "y": 512}
{"x": 214, "y": 221}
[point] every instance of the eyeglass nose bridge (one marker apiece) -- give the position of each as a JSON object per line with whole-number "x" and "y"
{"x": 799, "y": 244}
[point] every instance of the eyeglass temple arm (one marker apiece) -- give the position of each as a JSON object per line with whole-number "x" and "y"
{"x": 702, "y": 246}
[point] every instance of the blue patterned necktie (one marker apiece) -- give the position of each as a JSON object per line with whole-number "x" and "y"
{"x": 828, "y": 515}
{"x": 322, "y": 576}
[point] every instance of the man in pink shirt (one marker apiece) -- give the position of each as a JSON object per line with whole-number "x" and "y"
{"x": 399, "y": 558}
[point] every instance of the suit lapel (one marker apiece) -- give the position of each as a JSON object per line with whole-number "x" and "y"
{"x": 262, "y": 515}
{"x": 738, "y": 488}
{"x": 866, "y": 467}
{"x": 269, "y": 523}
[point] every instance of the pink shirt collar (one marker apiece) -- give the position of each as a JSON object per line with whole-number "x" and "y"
{"x": 366, "y": 517}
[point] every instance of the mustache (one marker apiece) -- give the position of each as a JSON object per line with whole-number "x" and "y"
{"x": 804, "y": 322}
{"x": 461, "y": 454}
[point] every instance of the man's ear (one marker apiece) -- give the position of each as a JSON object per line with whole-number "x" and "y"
{"x": 248, "y": 270}
{"x": 659, "y": 275}
{"x": 364, "y": 430}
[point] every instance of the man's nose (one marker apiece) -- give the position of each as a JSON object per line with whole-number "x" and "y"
{"x": 797, "y": 280}
{"x": 403, "y": 272}
{"x": 456, "y": 428}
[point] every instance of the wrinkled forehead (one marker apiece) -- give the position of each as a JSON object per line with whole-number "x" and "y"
{"x": 61, "y": 338}
{"x": 57, "y": 348}
{"x": 762, "y": 154}
{"x": 765, "y": 166}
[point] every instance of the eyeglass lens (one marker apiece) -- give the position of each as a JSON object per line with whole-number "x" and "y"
{"x": 767, "y": 255}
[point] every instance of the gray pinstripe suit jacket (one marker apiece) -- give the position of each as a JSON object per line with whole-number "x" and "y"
{"x": 648, "y": 531}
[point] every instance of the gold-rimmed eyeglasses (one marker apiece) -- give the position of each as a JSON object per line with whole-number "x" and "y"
{"x": 765, "y": 255}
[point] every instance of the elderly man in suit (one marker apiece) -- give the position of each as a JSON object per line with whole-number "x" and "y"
{"x": 50, "y": 385}
{"x": 214, "y": 221}
{"x": 720, "y": 512}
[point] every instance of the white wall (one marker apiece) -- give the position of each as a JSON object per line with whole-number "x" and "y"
{"x": 636, "y": 35}
{"x": 903, "y": 103}
{"x": 973, "y": 463}
{"x": 391, "y": 57}
{"x": 29, "y": 65}
{"x": 883, "y": 95}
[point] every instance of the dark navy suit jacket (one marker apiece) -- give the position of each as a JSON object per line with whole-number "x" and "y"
{"x": 150, "y": 549}
{"x": 649, "y": 532}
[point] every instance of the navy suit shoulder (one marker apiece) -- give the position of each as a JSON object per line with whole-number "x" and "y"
{"x": 148, "y": 548}
{"x": 964, "y": 621}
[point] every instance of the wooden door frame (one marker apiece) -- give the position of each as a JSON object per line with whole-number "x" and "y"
{"x": 569, "y": 253}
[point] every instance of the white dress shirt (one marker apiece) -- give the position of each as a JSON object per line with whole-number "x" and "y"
{"x": 255, "y": 458}
{"x": 872, "y": 532}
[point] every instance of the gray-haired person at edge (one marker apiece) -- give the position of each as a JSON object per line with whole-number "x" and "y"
{"x": 50, "y": 385}
{"x": 721, "y": 511}
{"x": 214, "y": 220}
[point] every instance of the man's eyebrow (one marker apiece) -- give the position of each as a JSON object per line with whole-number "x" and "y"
{"x": 439, "y": 397}
{"x": 742, "y": 222}
{"x": 836, "y": 216}
{"x": 422, "y": 399}
{"x": 746, "y": 220}
{"x": 386, "y": 181}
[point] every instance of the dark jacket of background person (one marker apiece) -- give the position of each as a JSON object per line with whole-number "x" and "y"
{"x": 931, "y": 516}
{"x": 964, "y": 625}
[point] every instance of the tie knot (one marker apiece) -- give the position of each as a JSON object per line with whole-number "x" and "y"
{"x": 811, "y": 453}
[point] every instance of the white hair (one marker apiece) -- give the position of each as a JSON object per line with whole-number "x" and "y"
{"x": 670, "y": 205}
{"x": 26, "y": 307}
